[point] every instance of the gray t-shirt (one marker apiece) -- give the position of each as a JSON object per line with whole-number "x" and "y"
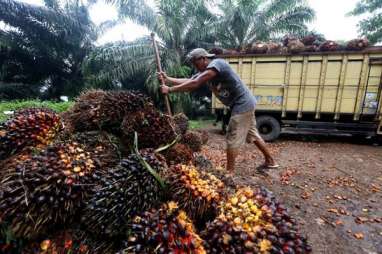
{"x": 229, "y": 89}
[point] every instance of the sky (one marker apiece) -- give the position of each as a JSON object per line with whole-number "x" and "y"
{"x": 331, "y": 20}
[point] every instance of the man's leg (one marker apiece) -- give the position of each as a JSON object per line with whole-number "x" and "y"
{"x": 254, "y": 136}
{"x": 237, "y": 130}
{"x": 269, "y": 161}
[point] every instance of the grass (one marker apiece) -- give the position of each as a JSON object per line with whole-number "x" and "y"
{"x": 200, "y": 123}
{"x": 15, "y": 105}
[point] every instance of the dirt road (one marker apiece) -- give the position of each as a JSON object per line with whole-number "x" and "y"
{"x": 332, "y": 186}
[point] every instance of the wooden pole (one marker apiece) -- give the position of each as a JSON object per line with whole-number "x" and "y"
{"x": 159, "y": 68}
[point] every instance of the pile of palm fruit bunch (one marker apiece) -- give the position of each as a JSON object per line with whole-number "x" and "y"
{"x": 252, "y": 221}
{"x": 357, "y": 44}
{"x": 197, "y": 192}
{"x": 329, "y": 46}
{"x": 29, "y": 127}
{"x": 97, "y": 109}
{"x": 115, "y": 174}
{"x": 166, "y": 230}
{"x": 291, "y": 44}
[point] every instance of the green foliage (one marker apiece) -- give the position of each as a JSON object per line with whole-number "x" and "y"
{"x": 15, "y": 105}
{"x": 200, "y": 123}
{"x": 179, "y": 26}
{"x": 371, "y": 26}
{"x": 243, "y": 22}
{"x": 45, "y": 46}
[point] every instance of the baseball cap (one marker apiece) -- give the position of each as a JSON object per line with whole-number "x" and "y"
{"x": 197, "y": 53}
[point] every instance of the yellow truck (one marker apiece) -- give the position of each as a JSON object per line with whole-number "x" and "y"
{"x": 324, "y": 92}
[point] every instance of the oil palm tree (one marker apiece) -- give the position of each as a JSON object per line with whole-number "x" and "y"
{"x": 179, "y": 26}
{"x": 44, "y": 46}
{"x": 242, "y": 22}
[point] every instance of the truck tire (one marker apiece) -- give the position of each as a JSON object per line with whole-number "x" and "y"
{"x": 268, "y": 127}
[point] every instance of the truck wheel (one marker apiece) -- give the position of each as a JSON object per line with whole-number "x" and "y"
{"x": 269, "y": 128}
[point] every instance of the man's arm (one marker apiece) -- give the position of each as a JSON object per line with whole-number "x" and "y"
{"x": 177, "y": 81}
{"x": 191, "y": 84}
{"x": 170, "y": 80}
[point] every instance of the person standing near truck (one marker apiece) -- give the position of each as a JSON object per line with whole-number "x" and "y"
{"x": 231, "y": 91}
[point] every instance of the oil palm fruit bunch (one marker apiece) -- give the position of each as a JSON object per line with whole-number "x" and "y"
{"x": 198, "y": 193}
{"x": 46, "y": 189}
{"x": 216, "y": 51}
{"x": 166, "y": 230}
{"x": 193, "y": 139}
{"x": 28, "y": 127}
{"x": 86, "y": 111}
{"x": 105, "y": 146}
{"x": 257, "y": 48}
{"x": 329, "y": 46}
{"x": 131, "y": 187}
{"x": 253, "y": 222}
{"x": 287, "y": 38}
{"x": 295, "y": 46}
{"x": 117, "y": 104}
{"x": 154, "y": 128}
{"x": 178, "y": 154}
{"x": 312, "y": 39}
{"x": 69, "y": 242}
{"x": 181, "y": 123}
{"x": 273, "y": 48}
{"x": 357, "y": 44}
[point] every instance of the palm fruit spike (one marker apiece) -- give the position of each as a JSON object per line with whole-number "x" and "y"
{"x": 193, "y": 139}
{"x": 357, "y": 44}
{"x": 154, "y": 128}
{"x": 124, "y": 191}
{"x": 179, "y": 153}
{"x": 28, "y": 127}
{"x": 181, "y": 122}
{"x": 46, "y": 189}
{"x": 167, "y": 230}
{"x": 86, "y": 111}
{"x": 69, "y": 242}
{"x": 198, "y": 193}
{"x": 254, "y": 222}
{"x": 105, "y": 146}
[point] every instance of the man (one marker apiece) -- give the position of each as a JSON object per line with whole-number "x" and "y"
{"x": 231, "y": 91}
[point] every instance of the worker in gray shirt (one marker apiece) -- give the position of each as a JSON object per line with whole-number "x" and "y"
{"x": 231, "y": 91}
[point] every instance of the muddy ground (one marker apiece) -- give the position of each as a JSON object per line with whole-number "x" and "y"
{"x": 331, "y": 185}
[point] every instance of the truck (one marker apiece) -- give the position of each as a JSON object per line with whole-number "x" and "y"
{"x": 316, "y": 92}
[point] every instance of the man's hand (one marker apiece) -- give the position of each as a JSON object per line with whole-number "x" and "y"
{"x": 162, "y": 76}
{"x": 165, "y": 89}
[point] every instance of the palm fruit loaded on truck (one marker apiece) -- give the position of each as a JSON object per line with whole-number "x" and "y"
{"x": 324, "y": 92}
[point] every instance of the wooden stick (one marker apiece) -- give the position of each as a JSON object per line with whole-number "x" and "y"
{"x": 159, "y": 68}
